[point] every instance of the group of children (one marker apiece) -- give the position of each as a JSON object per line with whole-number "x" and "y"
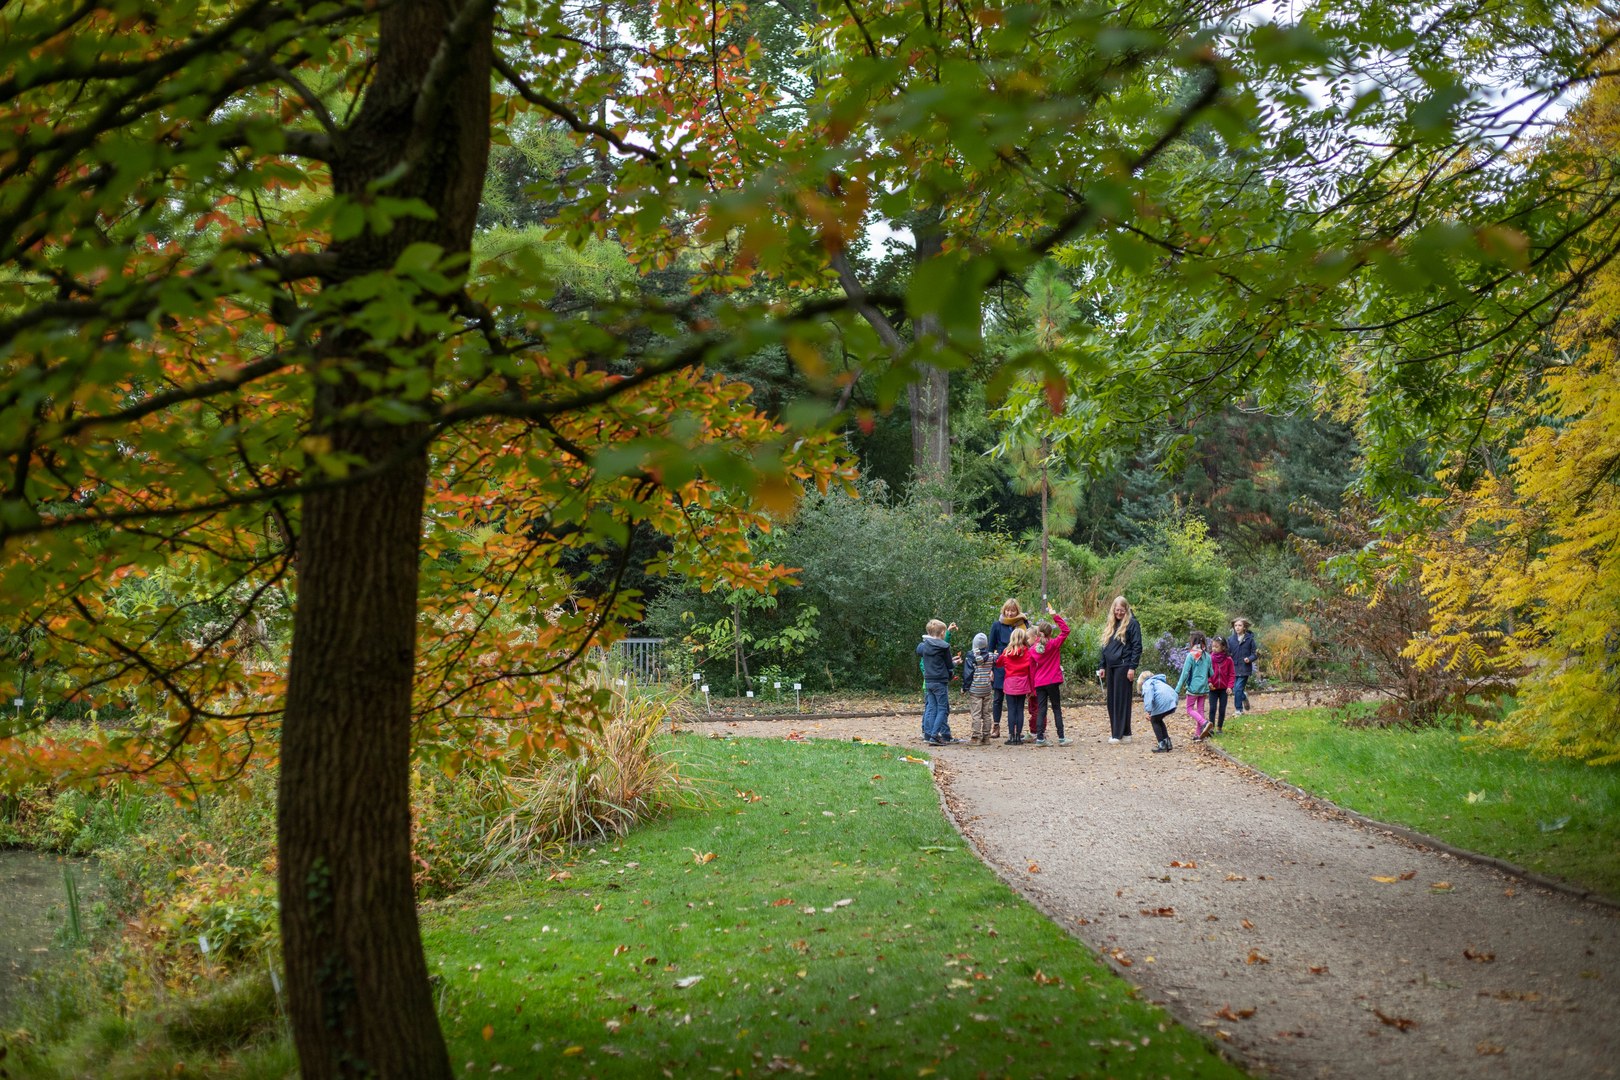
{"x": 1206, "y": 675}
{"x": 1031, "y": 663}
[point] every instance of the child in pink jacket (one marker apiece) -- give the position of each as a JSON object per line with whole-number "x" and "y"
{"x": 1046, "y": 675}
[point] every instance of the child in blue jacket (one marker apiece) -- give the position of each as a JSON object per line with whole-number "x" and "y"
{"x": 1160, "y": 701}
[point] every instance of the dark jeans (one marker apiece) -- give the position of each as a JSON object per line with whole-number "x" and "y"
{"x": 1160, "y": 732}
{"x": 1050, "y": 694}
{"x": 1118, "y": 688}
{"x": 1015, "y": 715}
{"x": 1217, "y": 708}
{"x": 997, "y": 696}
{"x": 1240, "y": 700}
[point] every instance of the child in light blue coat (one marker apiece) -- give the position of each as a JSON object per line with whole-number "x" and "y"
{"x": 1159, "y": 699}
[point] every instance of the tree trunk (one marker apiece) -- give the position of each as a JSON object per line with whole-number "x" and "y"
{"x": 358, "y": 993}
{"x": 930, "y": 396}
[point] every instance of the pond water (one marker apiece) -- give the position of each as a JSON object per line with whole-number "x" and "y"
{"x": 33, "y": 912}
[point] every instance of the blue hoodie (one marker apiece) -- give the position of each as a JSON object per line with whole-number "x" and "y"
{"x": 1157, "y": 696}
{"x": 937, "y": 663}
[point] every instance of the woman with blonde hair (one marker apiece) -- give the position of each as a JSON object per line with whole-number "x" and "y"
{"x": 1000, "y": 636}
{"x": 1116, "y": 669}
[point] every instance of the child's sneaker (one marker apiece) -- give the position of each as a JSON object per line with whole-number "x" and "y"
{"x": 1201, "y": 730}
{"x": 1063, "y": 742}
{"x": 1041, "y": 741}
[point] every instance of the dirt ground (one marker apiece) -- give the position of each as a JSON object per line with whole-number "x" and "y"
{"x": 1309, "y": 945}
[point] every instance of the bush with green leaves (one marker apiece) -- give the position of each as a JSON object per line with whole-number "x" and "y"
{"x": 875, "y": 570}
{"x": 1186, "y": 582}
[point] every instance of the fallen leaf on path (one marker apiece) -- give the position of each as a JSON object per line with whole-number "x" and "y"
{"x": 1409, "y": 875}
{"x": 1161, "y": 913}
{"x": 795, "y": 736}
{"x": 913, "y": 760}
{"x": 1188, "y": 865}
{"x": 1320, "y": 969}
{"x": 688, "y": 981}
{"x": 1479, "y": 957}
{"x": 1120, "y": 957}
{"x": 1034, "y": 867}
{"x": 1226, "y": 1012}
{"x": 1236, "y": 877}
{"x": 1257, "y": 957}
{"x": 1489, "y": 1048}
{"x": 1246, "y": 924}
{"x": 1512, "y": 995}
{"x": 1441, "y": 886}
{"x": 1399, "y": 1023}
{"x": 1386, "y": 880}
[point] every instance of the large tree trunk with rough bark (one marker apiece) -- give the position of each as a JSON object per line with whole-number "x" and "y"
{"x": 359, "y": 997}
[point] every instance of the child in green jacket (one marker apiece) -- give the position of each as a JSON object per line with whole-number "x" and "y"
{"x": 1195, "y": 681}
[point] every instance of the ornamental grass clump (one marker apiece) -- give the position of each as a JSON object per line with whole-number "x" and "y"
{"x": 608, "y": 781}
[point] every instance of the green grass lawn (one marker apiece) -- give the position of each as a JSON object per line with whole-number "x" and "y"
{"x": 1559, "y": 818}
{"x": 841, "y": 927}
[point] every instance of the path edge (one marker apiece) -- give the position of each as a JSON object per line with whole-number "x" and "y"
{"x": 942, "y": 774}
{"x": 1412, "y": 836}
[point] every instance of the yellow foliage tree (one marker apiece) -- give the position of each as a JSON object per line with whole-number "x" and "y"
{"x": 1527, "y": 575}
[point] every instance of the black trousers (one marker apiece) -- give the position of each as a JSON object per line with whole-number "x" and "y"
{"x": 1050, "y": 694}
{"x": 1160, "y": 732}
{"x": 1118, "y": 688}
{"x": 1217, "y": 708}
{"x": 997, "y": 697}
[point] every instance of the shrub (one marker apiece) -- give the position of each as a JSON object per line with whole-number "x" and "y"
{"x": 1369, "y": 611}
{"x": 1285, "y": 649}
{"x": 1178, "y": 618}
{"x": 874, "y": 571}
{"x": 611, "y": 780}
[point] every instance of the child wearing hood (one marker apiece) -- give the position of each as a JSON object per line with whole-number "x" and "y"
{"x": 939, "y": 667}
{"x": 1159, "y": 701}
{"x": 1194, "y": 679}
{"x": 978, "y": 675}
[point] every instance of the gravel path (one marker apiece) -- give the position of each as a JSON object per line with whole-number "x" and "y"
{"x": 1311, "y": 945}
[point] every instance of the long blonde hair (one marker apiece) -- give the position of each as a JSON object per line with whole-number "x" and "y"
{"x": 1019, "y": 642}
{"x": 1114, "y": 629}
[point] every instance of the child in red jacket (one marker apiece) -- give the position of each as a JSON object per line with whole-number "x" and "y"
{"x": 1222, "y": 674}
{"x": 1015, "y": 662}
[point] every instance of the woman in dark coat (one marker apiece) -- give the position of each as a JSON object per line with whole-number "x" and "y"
{"x": 1121, "y": 652}
{"x": 1000, "y": 634}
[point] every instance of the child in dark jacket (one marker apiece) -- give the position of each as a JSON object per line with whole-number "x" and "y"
{"x": 939, "y": 667}
{"x": 1222, "y": 673}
